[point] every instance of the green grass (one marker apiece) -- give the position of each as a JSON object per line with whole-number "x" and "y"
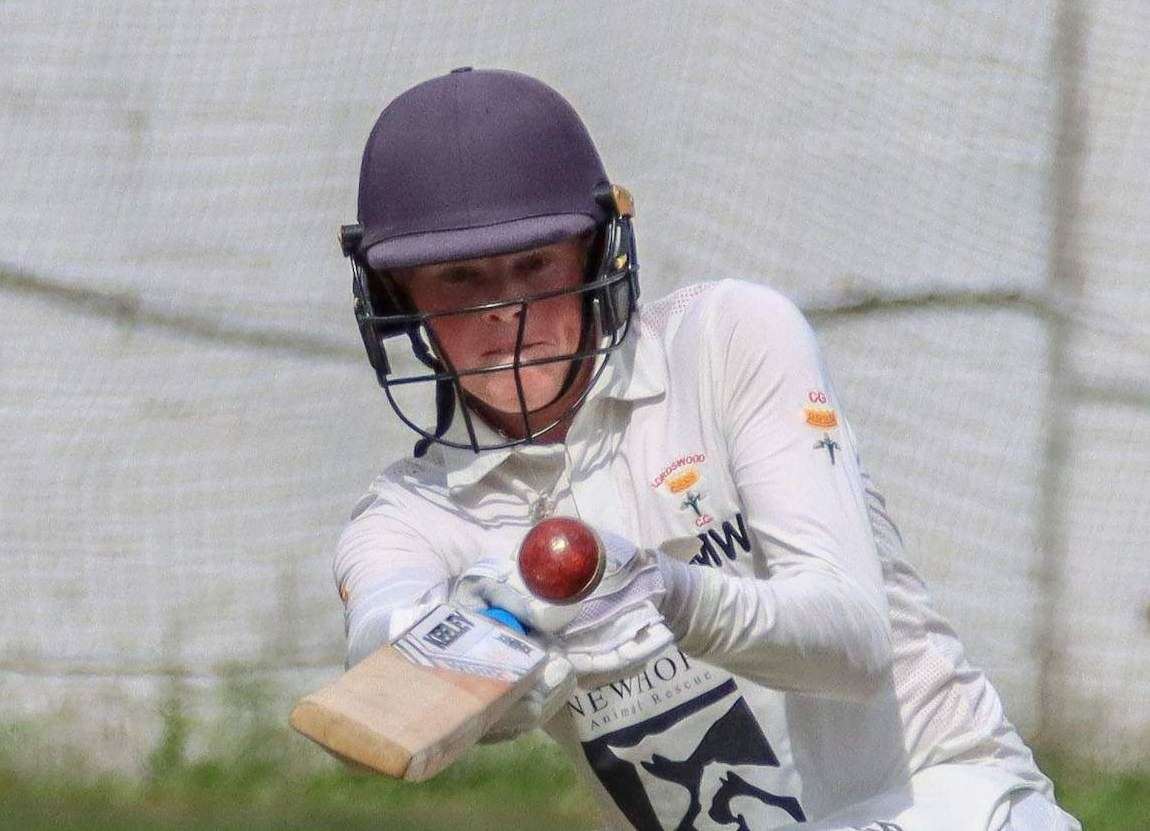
{"x": 525, "y": 785}
{"x": 1101, "y": 801}
{"x": 254, "y": 773}
{"x": 257, "y": 774}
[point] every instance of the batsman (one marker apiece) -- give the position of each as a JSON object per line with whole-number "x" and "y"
{"x": 759, "y": 654}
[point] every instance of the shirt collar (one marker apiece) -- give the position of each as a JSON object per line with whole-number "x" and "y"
{"x": 634, "y": 372}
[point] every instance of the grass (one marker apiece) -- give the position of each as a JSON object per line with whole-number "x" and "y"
{"x": 259, "y": 775}
{"x": 524, "y": 785}
{"x": 1101, "y": 801}
{"x": 254, "y": 773}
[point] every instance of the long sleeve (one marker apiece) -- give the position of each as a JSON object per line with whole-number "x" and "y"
{"x": 815, "y": 620}
{"x": 386, "y": 575}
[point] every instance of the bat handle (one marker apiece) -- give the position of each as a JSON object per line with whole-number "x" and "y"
{"x": 506, "y": 618}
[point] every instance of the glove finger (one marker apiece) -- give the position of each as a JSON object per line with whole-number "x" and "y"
{"x": 595, "y": 659}
{"x": 537, "y": 615}
{"x": 559, "y": 679}
{"x": 595, "y": 613}
{"x": 549, "y": 618}
{"x": 611, "y": 640}
{"x": 518, "y": 719}
{"x": 555, "y": 684}
{"x": 608, "y": 665}
{"x": 468, "y": 589}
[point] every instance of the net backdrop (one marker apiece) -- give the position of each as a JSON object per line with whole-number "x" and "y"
{"x": 957, "y": 193}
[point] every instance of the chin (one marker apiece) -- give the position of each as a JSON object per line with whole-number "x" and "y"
{"x": 500, "y": 394}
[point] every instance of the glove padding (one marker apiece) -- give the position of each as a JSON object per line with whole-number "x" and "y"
{"x": 553, "y": 686}
{"x": 618, "y": 627}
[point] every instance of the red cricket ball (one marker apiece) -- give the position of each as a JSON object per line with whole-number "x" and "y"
{"x": 561, "y": 560}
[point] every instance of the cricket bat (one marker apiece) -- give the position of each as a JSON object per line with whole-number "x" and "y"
{"x": 410, "y": 709}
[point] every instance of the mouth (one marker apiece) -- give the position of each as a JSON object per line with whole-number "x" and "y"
{"x": 506, "y": 355}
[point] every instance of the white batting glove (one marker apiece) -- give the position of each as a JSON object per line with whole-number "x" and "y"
{"x": 495, "y": 581}
{"x": 620, "y": 625}
{"x": 617, "y": 627}
{"x": 553, "y": 686}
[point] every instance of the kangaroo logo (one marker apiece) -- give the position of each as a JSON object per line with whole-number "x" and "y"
{"x": 715, "y": 776}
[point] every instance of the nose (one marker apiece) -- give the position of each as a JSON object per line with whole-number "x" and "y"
{"x": 505, "y": 313}
{"x": 509, "y": 292}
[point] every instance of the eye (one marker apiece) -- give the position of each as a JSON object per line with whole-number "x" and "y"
{"x": 457, "y": 276}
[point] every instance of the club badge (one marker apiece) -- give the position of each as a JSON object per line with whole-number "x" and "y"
{"x": 681, "y": 479}
{"x": 818, "y": 412}
{"x": 683, "y": 484}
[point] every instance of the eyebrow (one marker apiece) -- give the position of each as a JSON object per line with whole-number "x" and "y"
{"x": 460, "y": 272}
{"x": 535, "y": 256}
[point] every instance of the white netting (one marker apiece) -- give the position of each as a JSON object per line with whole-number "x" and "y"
{"x": 958, "y": 192}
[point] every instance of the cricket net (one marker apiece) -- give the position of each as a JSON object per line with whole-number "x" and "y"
{"x": 957, "y": 193}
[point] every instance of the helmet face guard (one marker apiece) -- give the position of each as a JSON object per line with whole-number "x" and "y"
{"x": 609, "y": 293}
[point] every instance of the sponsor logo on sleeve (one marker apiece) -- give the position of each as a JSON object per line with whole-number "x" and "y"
{"x": 818, "y": 413}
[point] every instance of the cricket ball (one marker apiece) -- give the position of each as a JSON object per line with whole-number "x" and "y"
{"x": 561, "y": 560}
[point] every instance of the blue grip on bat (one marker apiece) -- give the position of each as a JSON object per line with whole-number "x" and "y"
{"x": 506, "y": 618}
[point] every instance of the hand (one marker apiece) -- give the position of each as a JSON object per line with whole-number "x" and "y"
{"x": 484, "y": 585}
{"x": 620, "y": 625}
{"x": 495, "y": 581}
{"x": 553, "y": 686}
{"x": 617, "y": 627}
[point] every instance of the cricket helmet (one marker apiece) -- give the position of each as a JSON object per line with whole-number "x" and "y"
{"x": 472, "y": 164}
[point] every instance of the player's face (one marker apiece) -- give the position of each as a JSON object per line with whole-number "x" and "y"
{"x": 487, "y": 338}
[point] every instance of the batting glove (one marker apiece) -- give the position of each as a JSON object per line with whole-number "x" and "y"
{"x": 619, "y": 626}
{"x": 495, "y": 582}
{"x": 553, "y": 686}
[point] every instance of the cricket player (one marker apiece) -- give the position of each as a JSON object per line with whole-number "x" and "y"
{"x": 759, "y": 654}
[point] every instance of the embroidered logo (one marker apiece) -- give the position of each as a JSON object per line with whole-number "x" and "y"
{"x": 822, "y": 417}
{"x": 818, "y": 412}
{"x": 829, "y": 444}
{"x": 680, "y": 478}
{"x": 681, "y": 462}
{"x": 682, "y": 481}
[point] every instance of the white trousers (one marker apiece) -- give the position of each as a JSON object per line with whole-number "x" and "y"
{"x": 951, "y": 798}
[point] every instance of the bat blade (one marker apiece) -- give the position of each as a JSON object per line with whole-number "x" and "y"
{"x": 410, "y": 709}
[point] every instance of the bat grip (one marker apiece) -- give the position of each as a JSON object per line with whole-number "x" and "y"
{"x": 506, "y": 618}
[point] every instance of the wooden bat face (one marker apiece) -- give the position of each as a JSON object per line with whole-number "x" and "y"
{"x": 410, "y": 709}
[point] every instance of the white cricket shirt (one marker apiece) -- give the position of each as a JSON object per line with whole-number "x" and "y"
{"x": 814, "y": 672}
